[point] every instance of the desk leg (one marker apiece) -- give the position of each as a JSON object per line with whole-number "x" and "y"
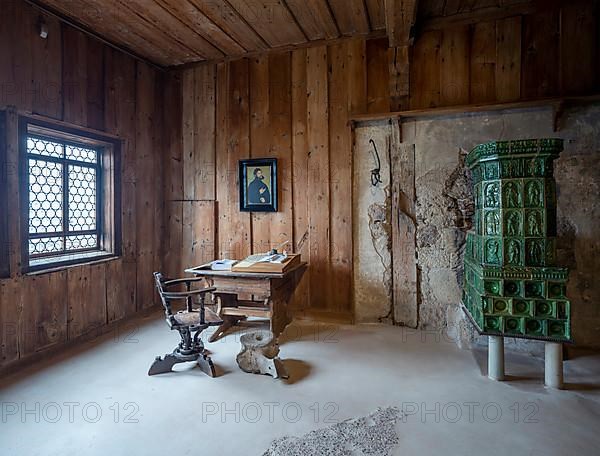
{"x": 280, "y": 314}
{"x": 229, "y": 321}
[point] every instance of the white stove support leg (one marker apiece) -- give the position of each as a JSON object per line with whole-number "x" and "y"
{"x": 553, "y": 370}
{"x": 496, "y": 357}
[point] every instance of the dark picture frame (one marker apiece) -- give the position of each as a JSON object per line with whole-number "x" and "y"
{"x": 258, "y": 185}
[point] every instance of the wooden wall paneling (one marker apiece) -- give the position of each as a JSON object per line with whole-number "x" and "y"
{"x": 222, "y": 140}
{"x": 508, "y": 59}
{"x": 75, "y": 69}
{"x": 172, "y": 244}
{"x": 120, "y": 119}
{"x": 188, "y": 124}
{"x": 314, "y": 16}
{"x": 318, "y": 172}
{"x": 12, "y": 183}
{"x": 425, "y": 71}
{"x": 454, "y": 67}
{"x": 4, "y": 239}
{"x": 300, "y": 200}
{"x": 234, "y": 226}
{"x": 580, "y": 47}
{"x": 46, "y": 59}
{"x": 147, "y": 221}
{"x": 351, "y": 16}
{"x": 86, "y": 286}
{"x": 280, "y": 114}
{"x": 199, "y": 234}
{"x": 378, "y": 78}
{"x": 261, "y": 138}
{"x": 44, "y": 314}
{"x": 95, "y": 84}
{"x": 340, "y": 171}
{"x": 11, "y": 305}
{"x": 120, "y": 289}
{"x": 541, "y": 53}
{"x": 19, "y": 90}
{"x": 357, "y": 78}
{"x": 158, "y": 175}
{"x": 483, "y": 63}
{"x": 204, "y": 133}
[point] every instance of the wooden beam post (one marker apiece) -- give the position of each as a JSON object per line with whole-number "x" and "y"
{"x": 400, "y": 17}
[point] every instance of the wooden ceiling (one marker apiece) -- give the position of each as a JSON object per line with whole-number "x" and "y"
{"x": 176, "y": 32}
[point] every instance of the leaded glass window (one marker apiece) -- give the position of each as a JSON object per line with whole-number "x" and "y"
{"x": 64, "y": 197}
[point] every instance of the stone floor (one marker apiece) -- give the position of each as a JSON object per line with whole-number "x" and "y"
{"x": 98, "y": 400}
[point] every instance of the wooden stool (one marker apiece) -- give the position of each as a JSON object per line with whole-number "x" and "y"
{"x": 259, "y": 354}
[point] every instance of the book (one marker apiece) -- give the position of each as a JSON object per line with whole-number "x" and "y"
{"x": 218, "y": 265}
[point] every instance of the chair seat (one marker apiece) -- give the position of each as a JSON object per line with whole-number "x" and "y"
{"x": 185, "y": 318}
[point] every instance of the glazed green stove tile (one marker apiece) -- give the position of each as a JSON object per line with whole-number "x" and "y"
{"x": 511, "y": 283}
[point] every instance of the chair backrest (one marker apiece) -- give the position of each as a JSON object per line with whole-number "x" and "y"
{"x": 159, "y": 280}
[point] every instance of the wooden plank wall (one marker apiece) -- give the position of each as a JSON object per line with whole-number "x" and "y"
{"x": 73, "y": 78}
{"x": 552, "y": 52}
{"x": 293, "y": 106}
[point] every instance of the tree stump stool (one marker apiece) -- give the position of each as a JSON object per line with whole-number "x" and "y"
{"x": 259, "y": 354}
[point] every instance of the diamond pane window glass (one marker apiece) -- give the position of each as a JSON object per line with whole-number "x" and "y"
{"x": 82, "y": 198}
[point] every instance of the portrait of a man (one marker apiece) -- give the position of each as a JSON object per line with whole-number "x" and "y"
{"x": 258, "y": 190}
{"x": 258, "y": 185}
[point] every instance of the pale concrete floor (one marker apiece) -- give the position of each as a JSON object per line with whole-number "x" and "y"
{"x": 336, "y": 373}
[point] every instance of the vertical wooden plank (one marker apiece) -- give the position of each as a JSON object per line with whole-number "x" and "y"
{"x": 580, "y": 47}
{"x": 318, "y": 171}
{"x": 300, "y": 200}
{"x": 425, "y": 71}
{"x": 357, "y": 78}
{"x": 173, "y": 248}
{"x": 46, "y": 59}
{"x": 120, "y": 289}
{"x": 11, "y": 304}
{"x": 540, "y": 53}
{"x": 234, "y": 226}
{"x": 483, "y": 62}
{"x": 198, "y": 237}
{"x": 508, "y": 59}
{"x": 86, "y": 287}
{"x": 378, "y": 76}
{"x": 340, "y": 171}
{"x": 280, "y": 101}
{"x": 454, "y": 67}
{"x": 44, "y": 315}
{"x": 203, "y": 165}
{"x": 74, "y": 77}
{"x": 20, "y": 28}
{"x": 12, "y": 184}
{"x": 404, "y": 261}
{"x": 188, "y": 121}
{"x": 95, "y": 84}
{"x": 146, "y": 219}
{"x": 260, "y": 140}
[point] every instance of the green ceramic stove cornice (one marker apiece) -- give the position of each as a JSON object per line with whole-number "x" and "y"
{"x": 508, "y": 149}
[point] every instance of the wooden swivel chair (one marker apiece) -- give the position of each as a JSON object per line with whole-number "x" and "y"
{"x": 190, "y": 323}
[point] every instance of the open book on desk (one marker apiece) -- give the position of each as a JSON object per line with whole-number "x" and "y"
{"x": 268, "y": 263}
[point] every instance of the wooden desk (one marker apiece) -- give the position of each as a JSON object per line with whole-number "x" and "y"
{"x": 249, "y": 294}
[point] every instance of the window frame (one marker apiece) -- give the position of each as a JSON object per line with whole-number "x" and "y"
{"x": 4, "y": 238}
{"x": 108, "y": 201}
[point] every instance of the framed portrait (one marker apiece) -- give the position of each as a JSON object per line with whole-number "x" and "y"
{"x": 258, "y": 185}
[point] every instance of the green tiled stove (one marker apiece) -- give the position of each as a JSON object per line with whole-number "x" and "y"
{"x": 512, "y": 285}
